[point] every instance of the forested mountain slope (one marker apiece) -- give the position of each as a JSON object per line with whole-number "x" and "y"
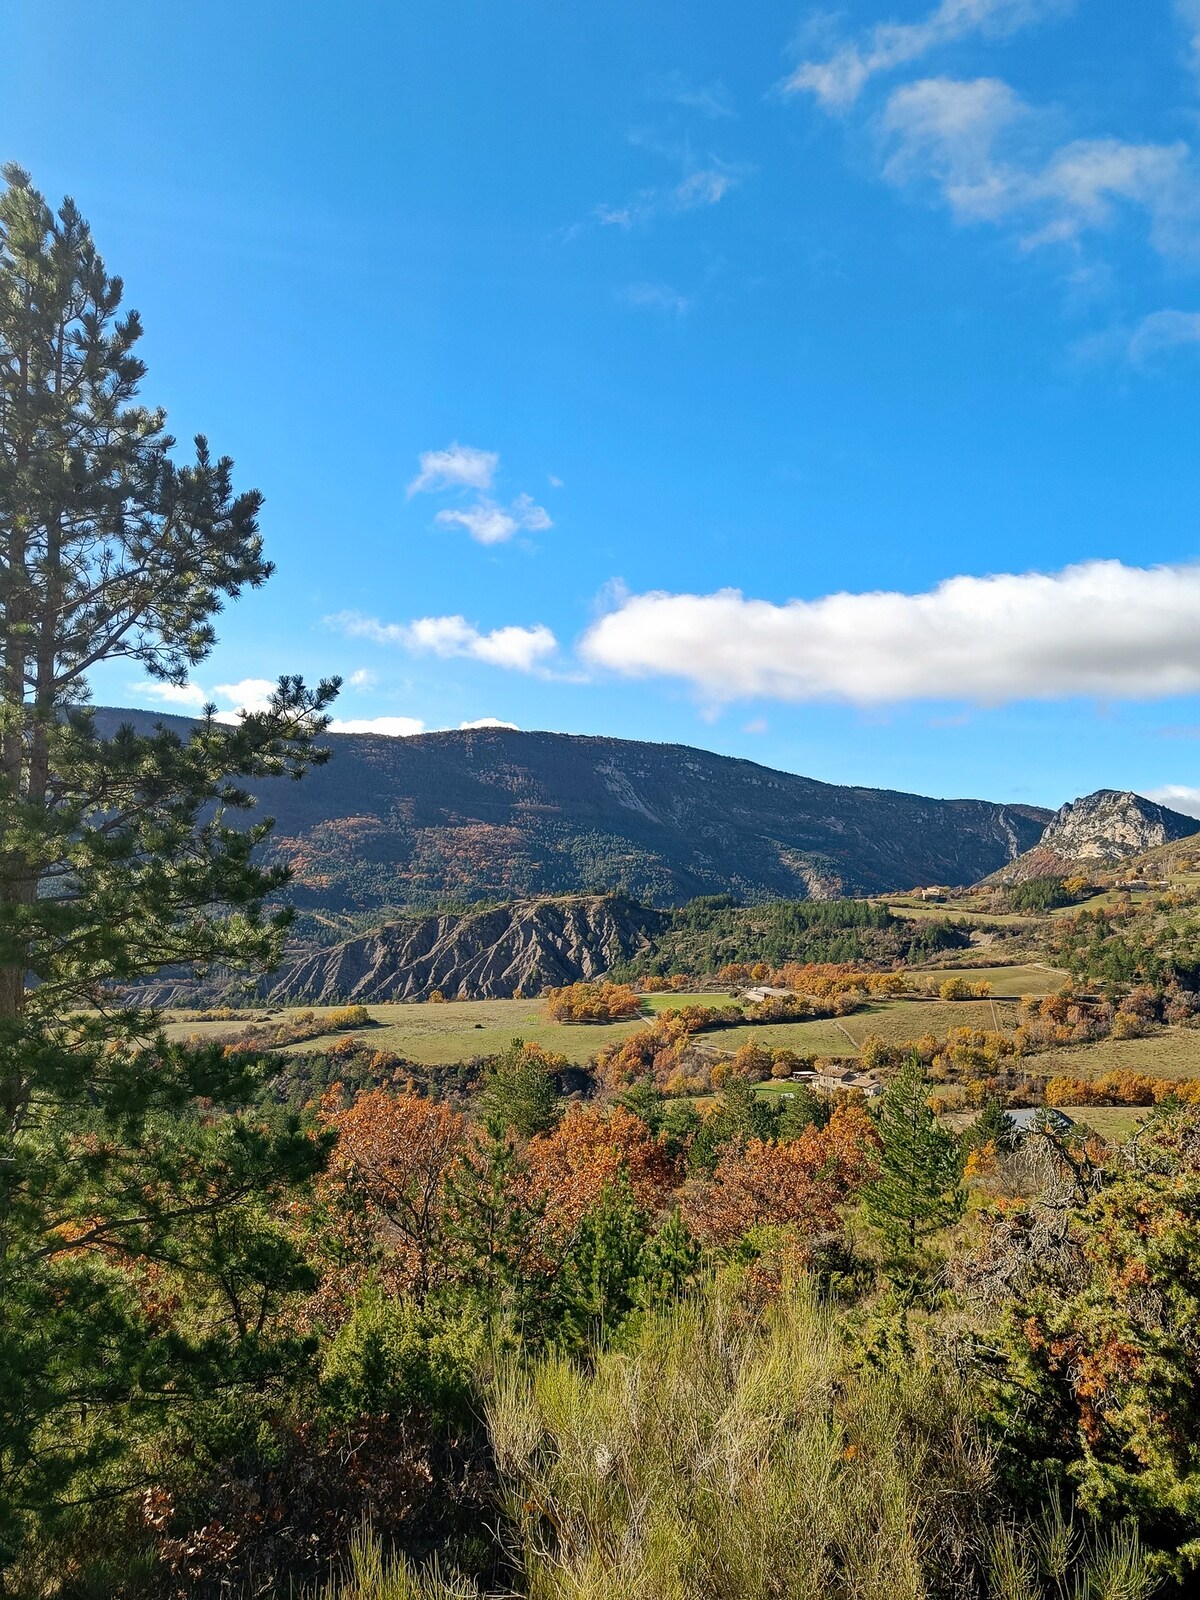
{"x": 497, "y": 814}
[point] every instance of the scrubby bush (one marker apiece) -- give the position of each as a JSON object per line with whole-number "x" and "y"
{"x": 344, "y": 1017}
{"x": 393, "y": 1357}
{"x": 593, "y": 1002}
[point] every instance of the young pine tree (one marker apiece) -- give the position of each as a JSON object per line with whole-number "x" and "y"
{"x": 117, "y": 856}
{"x": 520, "y": 1093}
{"x": 494, "y": 1235}
{"x": 993, "y": 1126}
{"x": 919, "y": 1185}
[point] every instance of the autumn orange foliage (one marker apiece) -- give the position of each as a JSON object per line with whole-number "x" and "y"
{"x": 1120, "y": 1088}
{"x": 571, "y": 1167}
{"x": 804, "y": 1182}
{"x": 655, "y": 1051}
{"x": 388, "y": 1171}
{"x": 593, "y": 1002}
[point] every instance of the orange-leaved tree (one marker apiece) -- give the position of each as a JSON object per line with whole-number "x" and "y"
{"x": 387, "y": 1176}
{"x": 803, "y": 1182}
{"x": 588, "y": 1154}
{"x": 593, "y": 1002}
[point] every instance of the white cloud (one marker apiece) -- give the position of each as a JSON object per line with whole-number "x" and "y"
{"x": 362, "y": 678}
{"x": 838, "y": 81}
{"x": 972, "y": 139}
{"x": 1178, "y": 796}
{"x": 657, "y": 297}
{"x": 248, "y": 694}
{"x": 459, "y": 466}
{"x": 489, "y": 523}
{"x": 172, "y": 694}
{"x": 393, "y": 727}
{"x": 519, "y": 649}
{"x": 1099, "y": 628}
{"x": 489, "y": 722}
{"x": 1162, "y": 331}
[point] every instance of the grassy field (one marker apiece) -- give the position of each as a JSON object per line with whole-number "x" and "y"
{"x": 1171, "y": 1053}
{"x": 1113, "y": 1123}
{"x": 893, "y": 1020}
{"x": 935, "y": 910}
{"x": 1029, "y": 977}
{"x": 436, "y": 1035}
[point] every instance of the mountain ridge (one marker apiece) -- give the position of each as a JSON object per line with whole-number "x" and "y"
{"x": 497, "y": 814}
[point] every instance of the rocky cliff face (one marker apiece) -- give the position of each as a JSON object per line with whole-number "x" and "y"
{"x": 487, "y": 955}
{"x": 1095, "y": 833}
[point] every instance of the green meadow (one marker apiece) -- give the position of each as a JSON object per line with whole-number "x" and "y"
{"x": 458, "y": 1030}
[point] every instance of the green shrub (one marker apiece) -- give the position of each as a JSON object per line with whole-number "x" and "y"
{"x": 394, "y": 1356}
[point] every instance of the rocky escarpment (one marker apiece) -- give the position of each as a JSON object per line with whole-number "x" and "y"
{"x": 485, "y": 955}
{"x": 1095, "y": 833}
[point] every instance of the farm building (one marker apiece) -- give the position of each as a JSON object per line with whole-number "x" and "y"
{"x": 1038, "y": 1119}
{"x": 833, "y": 1078}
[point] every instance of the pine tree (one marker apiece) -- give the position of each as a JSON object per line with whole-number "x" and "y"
{"x": 919, "y": 1184}
{"x": 670, "y": 1262}
{"x": 993, "y": 1126}
{"x": 492, "y": 1226}
{"x": 118, "y": 856}
{"x": 519, "y": 1093}
{"x": 599, "y": 1278}
{"x": 740, "y": 1113}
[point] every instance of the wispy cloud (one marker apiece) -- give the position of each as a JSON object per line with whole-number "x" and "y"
{"x": 489, "y": 523}
{"x": 1179, "y": 796}
{"x": 976, "y": 141}
{"x": 1162, "y": 331}
{"x": 489, "y": 722}
{"x": 838, "y": 80}
{"x": 1097, "y": 629}
{"x": 701, "y": 182}
{"x": 457, "y": 466}
{"x": 1144, "y": 343}
{"x": 711, "y": 100}
{"x": 1188, "y": 12}
{"x": 657, "y": 297}
{"x": 515, "y": 648}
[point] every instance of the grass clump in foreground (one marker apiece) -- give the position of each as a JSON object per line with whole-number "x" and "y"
{"x": 723, "y": 1450}
{"x": 726, "y": 1454}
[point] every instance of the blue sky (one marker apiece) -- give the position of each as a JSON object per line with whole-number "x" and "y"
{"x": 543, "y": 326}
